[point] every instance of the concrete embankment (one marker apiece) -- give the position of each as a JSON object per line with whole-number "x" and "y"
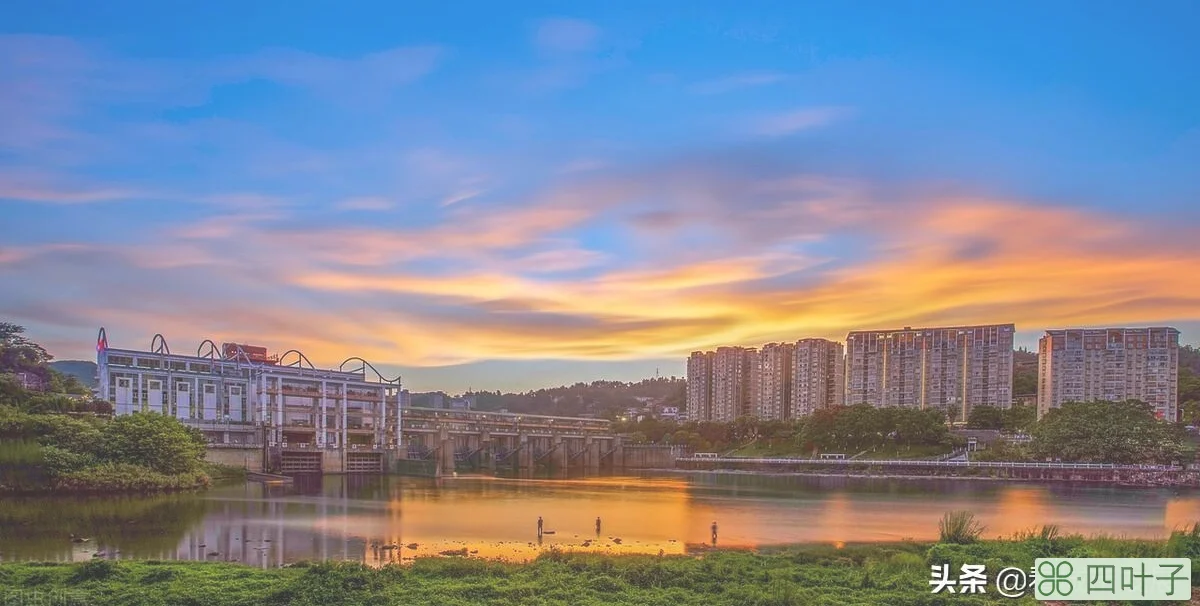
{"x": 1118, "y": 475}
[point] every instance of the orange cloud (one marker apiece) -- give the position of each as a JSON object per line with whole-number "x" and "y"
{"x": 335, "y": 292}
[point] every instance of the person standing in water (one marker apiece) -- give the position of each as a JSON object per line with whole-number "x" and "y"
{"x": 597, "y": 525}
{"x": 714, "y": 532}
{"x": 540, "y": 527}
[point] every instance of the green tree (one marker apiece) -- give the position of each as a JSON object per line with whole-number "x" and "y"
{"x": 1189, "y": 396}
{"x": 16, "y": 351}
{"x": 985, "y": 417}
{"x": 1106, "y": 432}
{"x": 920, "y": 428}
{"x": 1020, "y": 418}
{"x": 156, "y": 441}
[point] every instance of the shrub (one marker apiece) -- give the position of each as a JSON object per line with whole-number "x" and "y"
{"x": 124, "y": 477}
{"x": 1185, "y": 543}
{"x": 95, "y": 570}
{"x": 161, "y": 442}
{"x": 60, "y": 461}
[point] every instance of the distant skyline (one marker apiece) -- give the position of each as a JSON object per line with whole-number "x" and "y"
{"x": 513, "y": 196}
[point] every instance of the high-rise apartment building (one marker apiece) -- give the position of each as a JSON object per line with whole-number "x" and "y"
{"x": 954, "y": 368}
{"x": 818, "y": 376}
{"x": 771, "y": 380}
{"x": 731, "y": 383}
{"x": 699, "y": 385}
{"x": 1083, "y": 365}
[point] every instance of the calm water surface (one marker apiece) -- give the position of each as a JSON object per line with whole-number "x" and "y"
{"x": 353, "y": 518}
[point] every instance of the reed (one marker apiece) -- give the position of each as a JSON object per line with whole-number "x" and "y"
{"x": 960, "y": 528}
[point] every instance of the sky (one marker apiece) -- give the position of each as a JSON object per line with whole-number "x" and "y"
{"x": 483, "y": 195}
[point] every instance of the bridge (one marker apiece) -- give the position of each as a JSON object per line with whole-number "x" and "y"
{"x": 491, "y": 441}
{"x": 441, "y": 442}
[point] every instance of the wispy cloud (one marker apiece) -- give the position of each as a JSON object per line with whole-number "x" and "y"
{"x": 738, "y": 81}
{"x": 46, "y": 189}
{"x": 565, "y": 35}
{"x": 370, "y": 203}
{"x": 791, "y": 122}
{"x": 461, "y": 196}
{"x": 372, "y": 76}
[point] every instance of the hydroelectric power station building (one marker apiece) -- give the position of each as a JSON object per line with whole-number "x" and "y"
{"x": 240, "y": 396}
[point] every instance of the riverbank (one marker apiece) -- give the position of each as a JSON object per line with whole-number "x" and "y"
{"x": 1126, "y": 478}
{"x": 892, "y": 574}
{"x": 125, "y": 479}
{"x": 1145, "y": 482}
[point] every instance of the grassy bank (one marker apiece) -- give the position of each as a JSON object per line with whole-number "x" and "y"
{"x": 893, "y": 574}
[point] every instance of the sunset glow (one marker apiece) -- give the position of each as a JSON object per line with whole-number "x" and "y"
{"x": 558, "y": 198}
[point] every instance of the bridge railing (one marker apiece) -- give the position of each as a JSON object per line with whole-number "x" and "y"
{"x": 926, "y": 463}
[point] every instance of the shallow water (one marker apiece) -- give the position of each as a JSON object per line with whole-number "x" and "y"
{"x": 362, "y": 518}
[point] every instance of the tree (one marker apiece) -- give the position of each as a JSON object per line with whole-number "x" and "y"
{"x": 1189, "y": 396}
{"x": 156, "y": 441}
{"x": 920, "y": 428}
{"x": 1020, "y": 418}
{"x": 17, "y": 352}
{"x": 1106, "y": 432}
{"x": 1025, "y": 383}
{"x": 985, "y": 417}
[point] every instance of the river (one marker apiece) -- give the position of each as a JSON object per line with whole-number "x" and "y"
{"x": 388, "y": 519}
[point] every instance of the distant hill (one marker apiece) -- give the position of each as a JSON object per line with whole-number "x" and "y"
{"x": 1189, "y": 358}
{"x": 598, "y": 398}
{"x": 82, "y": 370}
{"x": 1025, "y": 371}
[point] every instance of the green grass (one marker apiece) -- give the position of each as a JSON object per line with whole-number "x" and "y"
{"x": 223, "y": 474}
{"x": 892, "y": 574}
{"x": 893, "y": 451}
{"x": 781, "y": 448}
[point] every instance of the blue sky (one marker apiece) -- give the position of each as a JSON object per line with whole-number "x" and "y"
{"x": 504, "y": 196}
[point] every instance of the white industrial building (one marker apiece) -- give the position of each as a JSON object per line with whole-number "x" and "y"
{"x": 238, "y": 395}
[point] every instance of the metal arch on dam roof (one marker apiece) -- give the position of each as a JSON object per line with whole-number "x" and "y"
{"x": 158, "y": 344}
{"x": 365, "y": 366}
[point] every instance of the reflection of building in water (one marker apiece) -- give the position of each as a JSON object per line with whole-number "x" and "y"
{"x": 1180, "y": 514}
{"x": 1020, "y": 508}
{"x": 835, "y": 519}
{"x": 273, "y": 533}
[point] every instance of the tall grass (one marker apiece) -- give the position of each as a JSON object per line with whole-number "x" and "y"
{"x": 21, "y": 464}
{"x": 815, "y": 574}
{"x": 959, "y": 528}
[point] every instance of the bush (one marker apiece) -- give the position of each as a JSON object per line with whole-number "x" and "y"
{"x": 124, "y": 477}
{"x": 161, "y": 442}
{"x": 60, "y": 461}
{"x": 1185, "y": 543}
{"x": 960, "y": 528}
{"x": 95, "y": 570}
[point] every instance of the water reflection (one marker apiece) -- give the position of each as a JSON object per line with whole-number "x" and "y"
{"x": 388, "y": 519}
{"x": 141, "y": 527}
